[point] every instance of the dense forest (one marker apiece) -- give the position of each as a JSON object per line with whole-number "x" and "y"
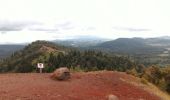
{"x": 54, "y": 56}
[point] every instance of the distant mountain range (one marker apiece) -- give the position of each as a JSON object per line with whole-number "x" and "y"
{"x": 81, "y": 41}
{"x": 135, "y": 45}
{"x": 146, "y": 51}
{"x": 7, "y": 50}
{"x": 120, "y": 45}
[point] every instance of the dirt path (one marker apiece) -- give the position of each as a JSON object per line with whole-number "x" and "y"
{"x": 82, "y": 86}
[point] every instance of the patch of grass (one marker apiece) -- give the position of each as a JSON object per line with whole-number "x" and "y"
{"x": 144, "y": 81}
{"x": 158, "y": 92}
{"x": 76, "y": 69}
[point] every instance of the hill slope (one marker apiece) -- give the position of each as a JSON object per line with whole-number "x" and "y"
{"x": 81, "y": 86}
{"x": 146, "y": 51}
{"x": 24, "y": 60}
{"x": 129, "y": 45}
{"x": 54, "y": 56}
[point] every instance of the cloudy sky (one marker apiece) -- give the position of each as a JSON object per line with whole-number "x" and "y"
{"x": 30, "y": 20}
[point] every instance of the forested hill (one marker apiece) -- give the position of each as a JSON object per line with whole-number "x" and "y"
{"x": 24, "y": 59}
{"x": 54, "y": 56}
{"x": 130, "y": 46}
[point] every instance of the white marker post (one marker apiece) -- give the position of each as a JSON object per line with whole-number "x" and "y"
{"x": 40, "y": 66}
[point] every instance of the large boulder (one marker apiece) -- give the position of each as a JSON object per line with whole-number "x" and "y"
{"x": 62, "y": 73}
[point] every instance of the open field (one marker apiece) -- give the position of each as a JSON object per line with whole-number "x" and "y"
{"x": 81, "y": 86}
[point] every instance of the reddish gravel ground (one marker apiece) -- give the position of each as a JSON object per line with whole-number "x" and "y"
{"x": 81, "y": 86}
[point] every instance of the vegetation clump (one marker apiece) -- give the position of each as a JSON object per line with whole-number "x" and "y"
{"x": 154, "y": 74}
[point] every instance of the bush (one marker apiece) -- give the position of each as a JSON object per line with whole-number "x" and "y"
{"x": 49, "y": 69}
{"x": 76, "y": 69}
{"x": 132, "y": 72}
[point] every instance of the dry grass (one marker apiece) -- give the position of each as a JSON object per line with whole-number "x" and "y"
{"x": 147, "y": 86}
{"x": 158, "y": 92}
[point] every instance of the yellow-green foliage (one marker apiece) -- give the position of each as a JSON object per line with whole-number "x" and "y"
{"x": 158, "y": 76}
{"x": 144, "y": 81}
{"x": 132, "y": 72}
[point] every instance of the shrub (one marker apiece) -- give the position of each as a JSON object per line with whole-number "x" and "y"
{"x": 132, "y": 72}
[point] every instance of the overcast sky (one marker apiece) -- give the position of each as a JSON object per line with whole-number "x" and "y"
{"x": 30, "y": 20}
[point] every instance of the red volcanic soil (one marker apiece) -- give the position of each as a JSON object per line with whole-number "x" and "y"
{"x": 81, "y": 86}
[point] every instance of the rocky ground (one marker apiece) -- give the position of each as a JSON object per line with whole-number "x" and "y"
{"x": 81, "y": 86}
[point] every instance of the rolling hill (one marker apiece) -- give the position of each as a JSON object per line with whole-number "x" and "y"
{"x": 130, "y": 46}
{"x": 26, "y": 58}
{"x": 146, "y": 51}
{"x": 54, "y": 56}
{"x": 80, "y": 41}
{"x": 120, "y": 45}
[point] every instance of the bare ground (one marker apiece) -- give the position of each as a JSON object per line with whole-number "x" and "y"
{"x": 81, "y": 86}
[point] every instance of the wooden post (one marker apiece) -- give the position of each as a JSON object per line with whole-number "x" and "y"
{"x": 40, "y": 70}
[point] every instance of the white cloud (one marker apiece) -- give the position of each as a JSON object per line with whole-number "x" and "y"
{"x": 68, "y": 18}
{"x": 24, "y": 36}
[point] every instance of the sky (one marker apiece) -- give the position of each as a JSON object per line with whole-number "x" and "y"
{"x": 29, "y": 20}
